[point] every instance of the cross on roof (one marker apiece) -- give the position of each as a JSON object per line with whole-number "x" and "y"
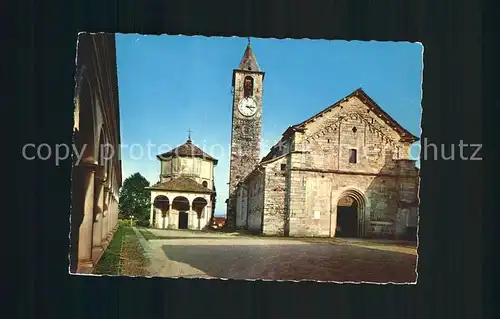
{"x": 189, "y": 134}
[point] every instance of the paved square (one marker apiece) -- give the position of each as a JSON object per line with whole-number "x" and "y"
{"x": 198, "y": 254}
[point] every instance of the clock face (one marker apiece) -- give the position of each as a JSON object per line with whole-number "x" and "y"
{"x": 247, "y": 107}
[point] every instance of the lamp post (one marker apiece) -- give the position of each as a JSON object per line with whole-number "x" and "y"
{"x": 131, "y": 220}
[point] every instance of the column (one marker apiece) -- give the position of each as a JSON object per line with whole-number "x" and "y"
{"x": 168, "y": 214}
{"x": 190, "y": 216}
{"x": 86, "y": 228}
{"x": 97, "y": 234}
{"x": 113, "y": 213}
{"x": 152, "y": 211}
{"x": 105, "y": 215}
{"x": 200, "y": 218}
{"x": 110, "y": 215}
{"x": 117, "y": 210}
{"x": 206, "y": 219}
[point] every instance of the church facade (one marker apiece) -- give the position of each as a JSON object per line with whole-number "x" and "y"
{"x": 184, "y": 198}
{"x": 345, "y": 171}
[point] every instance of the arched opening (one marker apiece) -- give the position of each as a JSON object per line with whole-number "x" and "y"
{"x": 85, "y": 131}
{"x": 248, "y": 87}
{"x": 181, "y": 205}
{"x": 161, "y": 208}
{"x": 199, "y": 206}
{"x": 350, "y": 215}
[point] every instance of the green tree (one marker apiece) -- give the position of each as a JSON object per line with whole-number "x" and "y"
{"x": 135, "y": 199}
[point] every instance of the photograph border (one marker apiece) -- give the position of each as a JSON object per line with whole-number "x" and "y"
{"x": 451, "y": 192}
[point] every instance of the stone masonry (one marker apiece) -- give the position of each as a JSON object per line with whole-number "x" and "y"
{"x": 246, "y": 130}
{"x": 352, "y": 148}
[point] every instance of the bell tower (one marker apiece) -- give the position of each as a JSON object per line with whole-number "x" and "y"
{"x": 246, "y": 120}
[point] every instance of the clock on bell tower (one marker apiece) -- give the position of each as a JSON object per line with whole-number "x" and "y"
{"x": 246, "y": 118}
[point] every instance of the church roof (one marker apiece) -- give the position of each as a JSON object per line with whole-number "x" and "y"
{"x": 181, "y": 184}
{"x": 405, "y": 134}
{"x": 187, "y": 149}
{"x": 249, "y": 62}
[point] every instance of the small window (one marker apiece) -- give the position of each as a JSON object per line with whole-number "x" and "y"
{"x": 328, "y": 140}
{"x": 205, "y": 184}
{"x": 354, "y": 129}
{"x": 283, "y": 167}
{"x": 352, "y": 156}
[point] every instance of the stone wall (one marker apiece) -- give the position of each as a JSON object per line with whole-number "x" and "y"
{"x": 255, "y": 202}
{"x": 314, "y": 198}
{"x": 241, "y": 207}
{"x": 275, "y": 219}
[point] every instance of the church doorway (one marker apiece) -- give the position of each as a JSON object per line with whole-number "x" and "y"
{"x": 183, "y": 220}
{"x": 182, "y": 205}
{"x": 347, "y": 217}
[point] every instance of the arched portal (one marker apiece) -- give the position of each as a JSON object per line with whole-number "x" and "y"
{"x": 181, "y": 205}
{"x": 199, "y": 206}
{"x": 350, "y": 214}
{"x": 161, "y": 206}
{"x": 85, "y": 127}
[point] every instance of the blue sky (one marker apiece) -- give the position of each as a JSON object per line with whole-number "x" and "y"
{"x": 169, "y": 84}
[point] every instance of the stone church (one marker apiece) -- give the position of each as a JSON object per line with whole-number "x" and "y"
{"x": 344, "y": 171}
{"x": 184, "y": 198}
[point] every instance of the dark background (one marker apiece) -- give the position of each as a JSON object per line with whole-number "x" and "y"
{"x": 453, "y": 194}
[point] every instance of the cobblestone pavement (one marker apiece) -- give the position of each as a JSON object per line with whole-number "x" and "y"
{"x": 244, "y": 257}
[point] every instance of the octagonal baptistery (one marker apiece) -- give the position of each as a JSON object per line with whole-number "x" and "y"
{"x": 184, "y": 198}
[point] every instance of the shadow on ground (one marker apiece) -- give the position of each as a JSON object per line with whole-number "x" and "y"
{"x": 325, "y": 262}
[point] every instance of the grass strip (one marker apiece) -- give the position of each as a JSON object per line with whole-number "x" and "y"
{"x": 109, "y": 264}
{"x": 147, "y": 234}
{"x": 133, "y": 259}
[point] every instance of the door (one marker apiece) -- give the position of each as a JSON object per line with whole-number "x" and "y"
{"x": 183, "y": 220}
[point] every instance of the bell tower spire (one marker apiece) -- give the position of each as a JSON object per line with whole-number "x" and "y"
{"x": 249, "y": 61}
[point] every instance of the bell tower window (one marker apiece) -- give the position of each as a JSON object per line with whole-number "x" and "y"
{"x": 248, "y": 87}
